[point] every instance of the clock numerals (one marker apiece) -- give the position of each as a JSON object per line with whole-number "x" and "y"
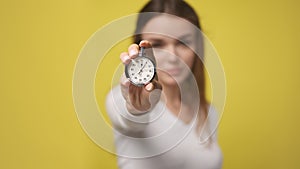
{"x": 140, "y": 71}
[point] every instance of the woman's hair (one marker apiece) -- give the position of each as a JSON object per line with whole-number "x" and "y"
{"x": 183, "y": 10}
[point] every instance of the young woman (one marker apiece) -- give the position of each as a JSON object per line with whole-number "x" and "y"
{"x": 158, "y": 125}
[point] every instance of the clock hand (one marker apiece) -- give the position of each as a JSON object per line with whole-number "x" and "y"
{"x": 141, "y": 68}
{"x": 144, "y": 65}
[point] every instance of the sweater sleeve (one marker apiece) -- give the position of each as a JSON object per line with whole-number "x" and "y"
{"x": 122, "y": 120}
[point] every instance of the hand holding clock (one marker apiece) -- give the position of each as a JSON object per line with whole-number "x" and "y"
{"x": 139, "y": 84}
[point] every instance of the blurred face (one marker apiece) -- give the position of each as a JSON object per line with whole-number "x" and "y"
{"x": 173, "y": 40}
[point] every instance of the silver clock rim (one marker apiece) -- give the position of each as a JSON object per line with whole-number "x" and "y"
{"x": 140, "y": 84}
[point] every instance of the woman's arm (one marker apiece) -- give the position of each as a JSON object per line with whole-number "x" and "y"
{"x": 128, "y": 105}
{"x": 122, "y": 119}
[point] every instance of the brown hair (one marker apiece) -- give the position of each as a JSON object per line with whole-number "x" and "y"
{"x": 183, "y": 10}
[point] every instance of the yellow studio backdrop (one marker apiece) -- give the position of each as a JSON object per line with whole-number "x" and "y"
{"x": 257, "y": 41}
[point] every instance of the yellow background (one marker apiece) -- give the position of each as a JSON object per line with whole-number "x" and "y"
{"x": 258, "y": 42}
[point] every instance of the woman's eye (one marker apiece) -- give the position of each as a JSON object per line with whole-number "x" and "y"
{"x": 157, "y": 45}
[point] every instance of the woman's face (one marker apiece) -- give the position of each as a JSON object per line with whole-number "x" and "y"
{"x": 173, "y": 40}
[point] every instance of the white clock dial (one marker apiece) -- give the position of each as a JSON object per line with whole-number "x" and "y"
{"x": 140, "y": 71}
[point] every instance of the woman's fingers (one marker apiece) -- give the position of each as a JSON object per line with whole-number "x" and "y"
{"x": 153, "y": 85}
{"x": 125, "y": 58}
{"x": 139, "y": 99}
{"x": 145, "y": 43}
{"x": 149, "y": 87}
{"x": 143, "y": 99}
{"x": 133, "y": 51}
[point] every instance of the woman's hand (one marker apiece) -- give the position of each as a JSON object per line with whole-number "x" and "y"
{"x": 142, "y": 99}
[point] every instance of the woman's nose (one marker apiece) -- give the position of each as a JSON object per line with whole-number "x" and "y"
{"x": 172, "y": 56}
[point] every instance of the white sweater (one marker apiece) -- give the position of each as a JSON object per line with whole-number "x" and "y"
{"x": 158, "y": 140}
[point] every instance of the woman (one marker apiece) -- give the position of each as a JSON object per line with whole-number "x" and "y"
{"x": 159, "y": 124}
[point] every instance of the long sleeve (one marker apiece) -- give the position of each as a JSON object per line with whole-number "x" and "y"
{"x": 122, "y": 120}
{"x": 158, "y": 139}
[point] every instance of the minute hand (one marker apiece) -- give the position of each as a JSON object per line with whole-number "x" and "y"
{"x": 142, "y": 67}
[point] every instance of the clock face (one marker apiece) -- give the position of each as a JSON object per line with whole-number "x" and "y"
{"x": 140, "y": 71}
